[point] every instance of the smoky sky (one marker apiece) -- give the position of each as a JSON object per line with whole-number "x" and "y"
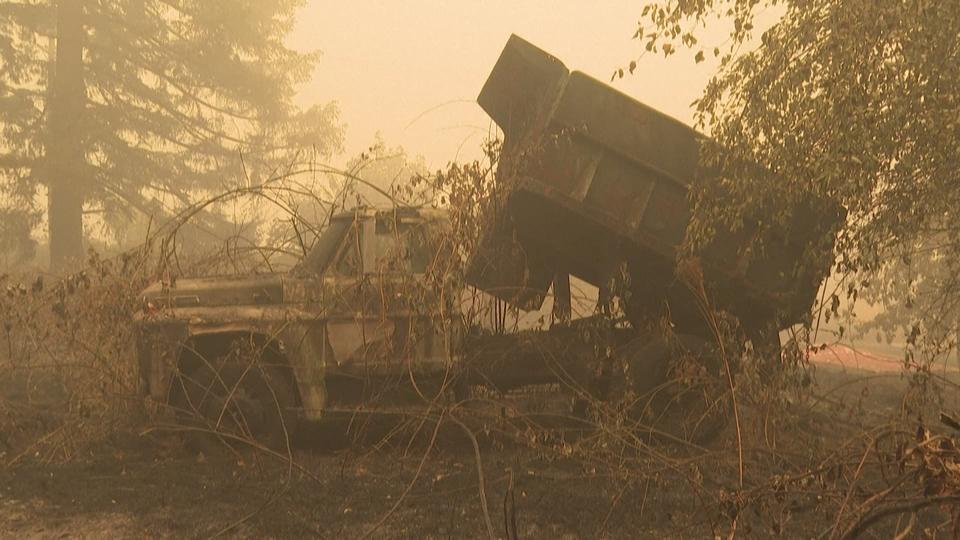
{"x": 412, "y": 69}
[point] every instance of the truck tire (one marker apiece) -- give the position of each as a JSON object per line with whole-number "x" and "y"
{"x": 235, "y": 403}
{"x": 672, "y": 389}
{"x": 765, "y": 340}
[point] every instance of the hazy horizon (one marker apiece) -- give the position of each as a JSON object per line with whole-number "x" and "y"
{"x": 412, "y": 70}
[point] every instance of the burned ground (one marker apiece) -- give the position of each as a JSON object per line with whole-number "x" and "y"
{"x": 150, "y": 485}
{"x": 83, "y": 454}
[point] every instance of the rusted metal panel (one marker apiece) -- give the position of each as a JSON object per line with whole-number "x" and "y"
{"x": 594, "y": 178}
{"x": 217, "y": 291}
{"x": 514, "y": 93}
{"x": 624, "y": 126}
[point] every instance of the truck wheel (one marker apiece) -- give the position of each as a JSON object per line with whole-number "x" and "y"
{"x": 237, "y": 403}
{"x": 672, "y": 389}
{"x": 765, "y": 339}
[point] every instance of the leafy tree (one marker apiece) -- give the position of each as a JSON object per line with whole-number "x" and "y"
{"x": 138, "y": 105}
{"x": 855, "y": 100}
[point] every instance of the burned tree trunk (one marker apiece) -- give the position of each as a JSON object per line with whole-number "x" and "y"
{"x": 64, "y": 147}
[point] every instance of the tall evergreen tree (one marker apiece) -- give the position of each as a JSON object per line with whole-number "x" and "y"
{"x": 116, "y": 104}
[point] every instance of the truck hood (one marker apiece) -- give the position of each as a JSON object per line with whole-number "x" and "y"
{"x": 216, "y": 291}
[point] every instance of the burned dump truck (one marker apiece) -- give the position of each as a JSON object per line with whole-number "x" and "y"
{"x": 593, "y": 185}
{"x": 595, "y": 182}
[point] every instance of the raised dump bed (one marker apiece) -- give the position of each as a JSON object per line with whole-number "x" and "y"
{"x": 594, "y": 179}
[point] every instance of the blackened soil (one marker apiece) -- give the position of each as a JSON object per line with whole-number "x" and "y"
{"x": 153, "y": 486}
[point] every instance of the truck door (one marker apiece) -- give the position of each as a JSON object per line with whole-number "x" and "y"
{"x": 381, "y": 316}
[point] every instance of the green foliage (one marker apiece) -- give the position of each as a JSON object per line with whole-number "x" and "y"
{"x": 855, "y": 100}
{"x": 181, "y": 96}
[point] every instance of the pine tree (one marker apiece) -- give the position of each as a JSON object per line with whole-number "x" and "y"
{"x": 116, "y": 105}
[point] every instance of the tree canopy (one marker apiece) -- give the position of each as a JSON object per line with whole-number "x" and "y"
{"x": 172, "y": 98}
{"x": 855, "y": 100}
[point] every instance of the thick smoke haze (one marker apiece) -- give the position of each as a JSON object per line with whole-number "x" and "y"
{"x": 412, "y": 70}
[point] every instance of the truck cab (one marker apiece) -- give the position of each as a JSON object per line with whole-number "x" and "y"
{"x": 368, "y": 313}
